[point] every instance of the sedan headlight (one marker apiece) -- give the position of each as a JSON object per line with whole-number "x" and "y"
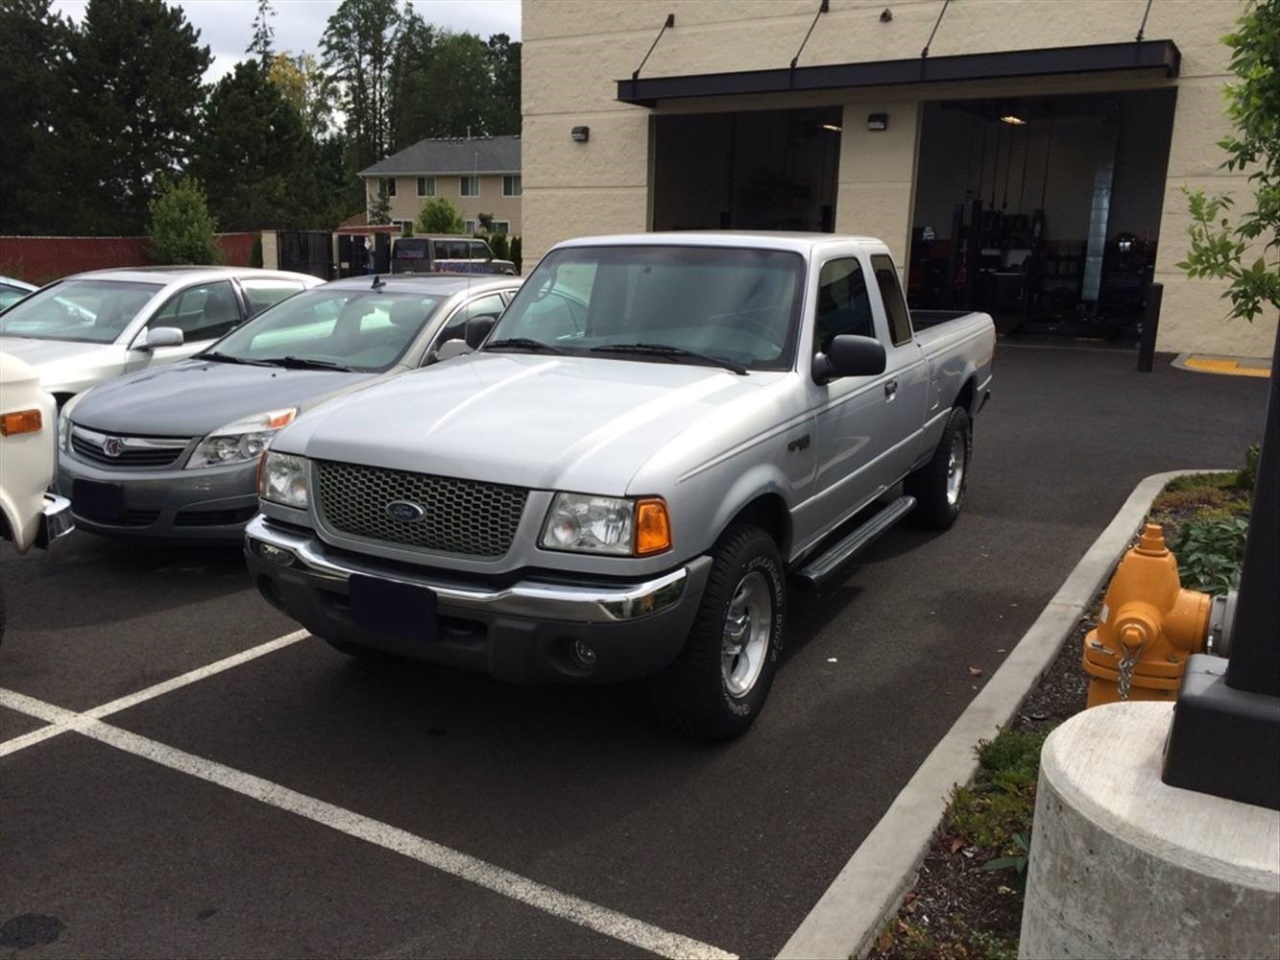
{"x": 64, "y": 423}
{"x": 242, "y": 441}
{"x": 283, "y": 479}
{"x": 610, "y": 525}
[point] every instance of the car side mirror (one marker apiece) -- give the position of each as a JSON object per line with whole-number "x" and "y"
{"x": 448, "y": 350}
{"x": 849, "y": 356}
{"x": 477, "y": 329}
{"x": 162, "y": 337}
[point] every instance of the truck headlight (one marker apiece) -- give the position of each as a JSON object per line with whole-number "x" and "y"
{"x": 616, "y": 526}
{"x": 242, "y": 441}
{"x": 283, "y": 479}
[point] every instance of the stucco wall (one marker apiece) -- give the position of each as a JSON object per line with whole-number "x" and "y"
{"x": 576, "y": 50}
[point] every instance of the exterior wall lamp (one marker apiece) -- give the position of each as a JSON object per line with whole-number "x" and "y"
{"x": 580, "y": 134}
{"x": 878, "y": 121}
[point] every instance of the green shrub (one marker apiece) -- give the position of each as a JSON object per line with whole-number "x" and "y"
{"x": 498, "y": 244}
{"x": 1210, "y": 550}
{"x": 1249, "y": 475}
{"x": 181, "y": 228}
{"x": 439, "y": 216}
{"x": 516, "y": 250}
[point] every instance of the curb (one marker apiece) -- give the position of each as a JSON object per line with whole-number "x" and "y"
{"x": 869, "y": 890}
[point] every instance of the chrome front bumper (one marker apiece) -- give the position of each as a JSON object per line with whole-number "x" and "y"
{"x": 301, "y": 554}
{"x": 55, "y": 520}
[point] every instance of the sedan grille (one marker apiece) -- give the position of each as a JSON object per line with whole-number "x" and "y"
{"x": 437, "y": 513}
{"x": 110, "y": 450}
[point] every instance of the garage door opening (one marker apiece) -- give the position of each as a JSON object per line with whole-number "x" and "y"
{"x": 766, "y": 170}
{"x": 1044, "y": 212}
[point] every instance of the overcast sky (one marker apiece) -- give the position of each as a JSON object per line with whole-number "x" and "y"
{"x": 226, "y": 26}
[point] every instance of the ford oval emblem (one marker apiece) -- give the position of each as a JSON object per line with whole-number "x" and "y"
{"x": 406, "y": 511}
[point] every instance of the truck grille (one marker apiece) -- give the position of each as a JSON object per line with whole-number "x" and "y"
{"x": 459, "y": 516}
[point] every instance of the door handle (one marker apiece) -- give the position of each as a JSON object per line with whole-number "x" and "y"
{"x": 890, "y": 388}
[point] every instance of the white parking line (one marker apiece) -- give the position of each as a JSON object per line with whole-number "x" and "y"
{"x": 68, "y": 721}
{"x": 481, "y": 873}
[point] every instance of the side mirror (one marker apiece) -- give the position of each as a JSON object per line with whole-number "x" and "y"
{"x": 448, "y": 350}
{"x": 477, "y": 329}
{"x": 162, "y": 337}
{"x": 849, "y": 356}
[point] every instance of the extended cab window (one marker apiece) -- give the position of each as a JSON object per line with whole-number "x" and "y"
{"x": 844, "y": 305}
{"x": 891, "y": 294}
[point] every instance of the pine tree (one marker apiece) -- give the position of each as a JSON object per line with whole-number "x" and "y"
{"x": 263, "y": 33}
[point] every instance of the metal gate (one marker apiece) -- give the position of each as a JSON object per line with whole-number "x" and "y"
{"x": 306, "y": 251}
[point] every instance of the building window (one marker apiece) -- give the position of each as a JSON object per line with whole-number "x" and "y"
{"x": 469, "y": 226}
{"x": 501, "y": 226}
{"x": 406, "y": 227}
{"x": 426, "y": 186}
{"x": 511, "y": 186}
{"x": 387, "y": 185}
{"x": 468, "y": 186}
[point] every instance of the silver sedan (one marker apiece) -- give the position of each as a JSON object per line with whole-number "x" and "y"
{"x": 172, "y": 453}
{"x": 89, "y": 327}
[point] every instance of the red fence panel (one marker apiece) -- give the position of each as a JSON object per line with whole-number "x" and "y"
{"x": 41, "y": 259}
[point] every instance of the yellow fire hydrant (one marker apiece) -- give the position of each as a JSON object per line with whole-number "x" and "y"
{"x": 1147, "y": 628}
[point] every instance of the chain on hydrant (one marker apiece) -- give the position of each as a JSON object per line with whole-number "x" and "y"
{"x": 1147, "y": 628}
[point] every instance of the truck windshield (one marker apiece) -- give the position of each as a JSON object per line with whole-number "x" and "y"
{"x": 708, "y": 304}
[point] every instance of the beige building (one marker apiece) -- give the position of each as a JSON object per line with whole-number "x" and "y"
{"x": 1027, "y": 157}
{"x": 477, "y": 175}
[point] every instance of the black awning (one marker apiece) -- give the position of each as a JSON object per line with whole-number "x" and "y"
{"x": 1161, "y": 55}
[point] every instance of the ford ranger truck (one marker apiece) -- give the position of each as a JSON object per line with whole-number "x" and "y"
{"x": 658, "y": 438}
{"x": 29, "y": 514}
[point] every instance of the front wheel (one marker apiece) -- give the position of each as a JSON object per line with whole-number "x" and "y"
{"x": 716, "y": 687}
{"x": 940, "y": 485}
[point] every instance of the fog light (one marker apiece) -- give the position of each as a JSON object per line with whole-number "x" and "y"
{"x": 276, "y": 555}
{"x": 584, "y": 653}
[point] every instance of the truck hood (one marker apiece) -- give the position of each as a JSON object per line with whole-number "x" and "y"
{"x": 193, "y": 398}
{"x": 585, "y": 424}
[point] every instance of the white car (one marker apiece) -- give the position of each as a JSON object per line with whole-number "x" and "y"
{"x": 90, "y": 327}
{"x": 29, "y": 515}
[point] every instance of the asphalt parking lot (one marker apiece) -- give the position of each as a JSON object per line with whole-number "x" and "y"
{"x": 182, "y": 773}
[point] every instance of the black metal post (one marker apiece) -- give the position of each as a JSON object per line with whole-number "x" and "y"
{"x": 1225, "y": 736}
{"x": 1150, "y": 324}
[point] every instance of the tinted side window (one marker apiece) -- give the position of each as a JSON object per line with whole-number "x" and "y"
{"x": 205, "y": 312}
{"x": 891, "y": 293}
{"x": 843, "y": 303}
{"x": 479, "y": 250}
{"x": 456, "y": 326}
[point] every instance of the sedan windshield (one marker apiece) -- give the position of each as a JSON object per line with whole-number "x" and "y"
{"x": 735, "y": 308}
{"x": 367, "y": 330}
{"x": 93, "y": 310}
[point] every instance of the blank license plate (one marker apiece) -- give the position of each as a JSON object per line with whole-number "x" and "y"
{"x": 399, "y": 609}
{"x": 102, "y": 501}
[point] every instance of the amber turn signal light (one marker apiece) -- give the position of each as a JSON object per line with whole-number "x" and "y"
{"x": 653, "y": 529}
{"x": 24, "y": 421}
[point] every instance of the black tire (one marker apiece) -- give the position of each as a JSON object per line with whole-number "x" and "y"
{"x": 710, "y": 692}
{"x": 941, "y": 484}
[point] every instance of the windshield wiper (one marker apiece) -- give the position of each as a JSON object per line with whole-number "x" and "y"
{"x": 674, "y": 354}
{"x": 227, "y": 358}
{"x": 525, "y": 343}
{"x": 304, "y": 363}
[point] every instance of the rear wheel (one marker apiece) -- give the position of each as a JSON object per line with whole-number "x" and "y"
{"x": 719, "y": 683}
{"x": 940, "y": 485}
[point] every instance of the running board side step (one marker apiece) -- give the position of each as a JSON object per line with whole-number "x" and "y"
{"x": 821, "y": 569}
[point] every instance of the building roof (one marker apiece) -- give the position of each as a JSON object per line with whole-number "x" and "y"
{"x": 451, "y": 155}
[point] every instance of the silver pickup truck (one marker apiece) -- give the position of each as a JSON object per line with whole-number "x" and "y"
{"x": 660, "y": 433}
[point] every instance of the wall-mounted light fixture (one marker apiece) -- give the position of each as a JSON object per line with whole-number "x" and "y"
{"x": 886, "y": 15}
{"x": 833, "y": 127}
{"x": 878, "y": 121}
{"x": 580, "y": 134}
{"x": 1013, "y": 120}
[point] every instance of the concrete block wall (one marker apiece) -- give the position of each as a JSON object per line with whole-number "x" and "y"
{"x": 574, "y": 52}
